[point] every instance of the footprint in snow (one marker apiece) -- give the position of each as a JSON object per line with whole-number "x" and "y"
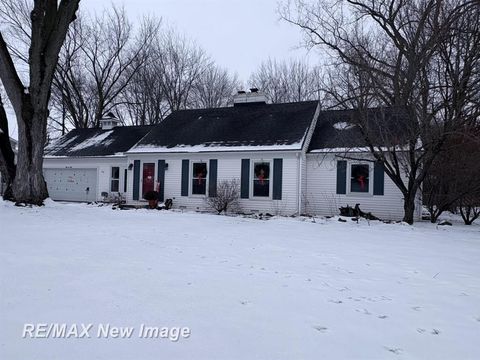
{"x": 382, "y": 316}
{"x": 421, "y": 331}
{"x": 435, "y": 332}
{"x": 336, "y": 301}
{"x": 245, "y": 302}
{"x": 416, "y": 308}
{"x": 396, "y": 351}
{"x": 321, "y": 329}
{"x": 363, "y": 311}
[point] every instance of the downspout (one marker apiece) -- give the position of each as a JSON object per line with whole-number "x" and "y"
{"x": 299, "y": 179}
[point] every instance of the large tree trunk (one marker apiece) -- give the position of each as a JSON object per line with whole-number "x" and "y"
{"x": 29, "y": 185}
{"x": 50, "y": 22}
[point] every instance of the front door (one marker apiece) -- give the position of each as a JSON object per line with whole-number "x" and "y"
{"x": 148, "y": 177}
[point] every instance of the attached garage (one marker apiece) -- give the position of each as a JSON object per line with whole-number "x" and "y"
{"x": 72, "y": 184}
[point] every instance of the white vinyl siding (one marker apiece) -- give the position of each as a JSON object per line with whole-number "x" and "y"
{"x": 229, "y": 167}
{"x": 103, "y": 165}
{"x": 322, "y": 199}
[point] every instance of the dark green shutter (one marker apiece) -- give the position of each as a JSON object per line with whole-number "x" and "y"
{"x": 341, "y": 177}
{"x": 378, "y": 179}
{"x": 161, "y": 179}
{"x": 212, "y": 178}
{"x": 185, "y": 171}
{"x": 245, "y": 179}
{"x": 136, "y": 179}
{"x": 125, "y": 177}
{"x": 277, "y": 178}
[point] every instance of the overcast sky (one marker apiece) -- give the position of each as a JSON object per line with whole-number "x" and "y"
{"x": 238, "y": 34}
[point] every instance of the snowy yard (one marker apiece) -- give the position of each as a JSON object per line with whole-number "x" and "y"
{"x": 246, "y": 288}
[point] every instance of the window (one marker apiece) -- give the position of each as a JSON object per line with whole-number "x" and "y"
{"x": 360, "y": 178}
{"x": 261, "y": 179}
{"x": 199, "y": 179}
{"x": 115, "y": 179}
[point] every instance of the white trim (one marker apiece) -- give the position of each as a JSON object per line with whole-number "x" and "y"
{"x": 190, "y": 178}
{"x": 220, "y": 149}
{"x": 370, "y": 178}
{"x": 118, "y": 179}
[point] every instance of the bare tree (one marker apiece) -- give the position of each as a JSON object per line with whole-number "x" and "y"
{"x": 49, "y": 25}
{"x": 100, "y": 59}
{"x": 181, "y": 62}
{"x": 287, "y": 81}
{"x": 470, "y": 208}
{"x": 143, "y": 98}
{"x": 17, "y": 27}
{"x": 215, "y": 87}
{"x": 72, "y": 92}
{"x": 391, "y": 53}
{"x": 453, "y": 177}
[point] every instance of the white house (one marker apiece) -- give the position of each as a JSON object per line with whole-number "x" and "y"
{"x": 288, "y": 159}
{"x": 91, "y": 164}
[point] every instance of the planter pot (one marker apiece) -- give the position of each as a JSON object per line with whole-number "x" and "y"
{"x": 152, "y": 204}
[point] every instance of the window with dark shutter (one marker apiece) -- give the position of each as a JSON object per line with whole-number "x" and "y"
{"x": 360, "y": 178}
{"x": 261, "y": 179}
{"x": 199, "y": 178}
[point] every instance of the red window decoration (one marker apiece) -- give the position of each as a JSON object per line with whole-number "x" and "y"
{"x": 261, "y": 180}
{"x": 199, "y": 179}
{"x": 360, "y": 178}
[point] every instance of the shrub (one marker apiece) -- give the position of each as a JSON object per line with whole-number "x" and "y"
{"x": 228, "y": 193}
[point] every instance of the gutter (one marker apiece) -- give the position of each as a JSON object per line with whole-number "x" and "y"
{"x": 299, "y": 180}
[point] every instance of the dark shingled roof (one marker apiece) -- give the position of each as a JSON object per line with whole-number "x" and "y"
{"x": 256, "y": 124}
{"x": 97, "y": 142}
{"x": 384, "y": 125}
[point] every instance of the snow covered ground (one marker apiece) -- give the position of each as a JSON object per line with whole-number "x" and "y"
{"x": 246, "y": 288}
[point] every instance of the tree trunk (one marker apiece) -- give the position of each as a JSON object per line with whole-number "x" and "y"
{"x": 50, "y": 21}
{"x": 409, "y": 208}
{"x": 29, "y": 185}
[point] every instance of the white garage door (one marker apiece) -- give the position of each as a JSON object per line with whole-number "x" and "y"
{"x": 71, "y": 184}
